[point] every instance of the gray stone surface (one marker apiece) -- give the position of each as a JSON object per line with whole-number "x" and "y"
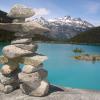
{"x": 19, "y": 20}
{"x": 22, "y": 41}
{"x": 41, "y": 74}
{"x": 30, "y": 69}
{"x": 1, "y": 87}
{"x": 42, "y": 90}
{"x": 29, "y": 28}
{"x": 55, "y": 94}
{"x": 33, "y": 59}
{"x": 6, "y": 80}
{"x": 8, "y": 89}
{"x": 12, "y": 51}
{"x": 29, "y": 47}
{"x": 31, "y": 81}
{"x": 10, "y": 66}
{"x": 20, "y": 11}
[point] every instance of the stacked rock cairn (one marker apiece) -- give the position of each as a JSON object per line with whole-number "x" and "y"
{"x": 32, "y": 79}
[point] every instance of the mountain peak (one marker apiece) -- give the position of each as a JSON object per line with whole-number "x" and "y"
{"x": 64, "y": 27}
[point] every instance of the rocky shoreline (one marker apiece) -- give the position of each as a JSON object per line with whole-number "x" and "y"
{"x": 55, "y": 93}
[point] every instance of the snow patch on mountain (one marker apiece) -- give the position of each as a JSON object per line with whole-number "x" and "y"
{"x": 65, "y": 27}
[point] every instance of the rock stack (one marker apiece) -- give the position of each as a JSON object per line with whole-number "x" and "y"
{"x": 32, "y": 79}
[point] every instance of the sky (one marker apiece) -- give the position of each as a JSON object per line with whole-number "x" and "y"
{"x": 88, "y": 10}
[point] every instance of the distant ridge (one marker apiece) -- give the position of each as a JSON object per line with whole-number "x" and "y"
{"x": 4, "y": 18}
{"x": 90, "y": 36}
{"x": 5, "y": 35}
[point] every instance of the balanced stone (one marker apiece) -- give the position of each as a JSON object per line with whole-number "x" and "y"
{"x": 10, "y": 66}
{"x": 30, "y": 69}
{"x": 22, "y": 41}
{"x": 20, "y": 11}
{"x": 31, "y": 80}
{"x": 27, "y": 28}
{"x": 6, "y": 80}
{"x": 33, "y": 28}
{"x": 42, "y": 90}
{"x": 34, "y": 60}
{"x": 7, "y": 69}
{"x": 29, "y": 47}
{"x": 41, "y": 74}
{"x": 11, "y": 51}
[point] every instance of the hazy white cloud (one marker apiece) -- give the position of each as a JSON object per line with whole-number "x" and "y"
{"x": 93, "y": 7}
{"x": 41, "y": 11}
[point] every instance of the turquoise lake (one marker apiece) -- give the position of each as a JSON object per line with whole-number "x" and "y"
{"x": 65, "y": 71}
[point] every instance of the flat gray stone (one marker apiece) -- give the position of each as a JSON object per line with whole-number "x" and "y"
{"x": 29, "y": 47}
{"x": 23, "y": 35}
{"x": 31, "y": 69}
{"x": 12, "y": 51}
{"x": 20, "y": 11}
{"x": 28, "y": 29}
{"x": 34, "y": 60}
{"x": 22, "y": 41}
{"x": 33, "y": 28}
{"x": 19, "y": 20}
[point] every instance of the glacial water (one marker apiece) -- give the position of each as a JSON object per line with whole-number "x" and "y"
{"x": 65, "y": 71}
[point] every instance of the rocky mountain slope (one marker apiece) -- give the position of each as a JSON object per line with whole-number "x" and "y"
{"x": 5, "y": 35}
{"x": 90, "y": 36}
{"x": 64, "y": 28}
{"x": 4, "y": 18}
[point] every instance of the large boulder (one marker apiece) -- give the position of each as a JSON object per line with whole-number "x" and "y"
{"x": 42, "y": 90}
{"x": 20, "y": 11}
{"x": 11, "y": 51}
{"x": 31, "y": 80}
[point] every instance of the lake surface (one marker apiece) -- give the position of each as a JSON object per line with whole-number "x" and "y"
{"x": 65, "y": 71}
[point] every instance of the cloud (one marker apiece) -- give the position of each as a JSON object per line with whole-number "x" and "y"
{"x": 41, "y": 11}
{"x": 93, "y": 7}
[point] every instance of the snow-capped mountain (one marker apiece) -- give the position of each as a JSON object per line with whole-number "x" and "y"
{"x": 64, "y": 28}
